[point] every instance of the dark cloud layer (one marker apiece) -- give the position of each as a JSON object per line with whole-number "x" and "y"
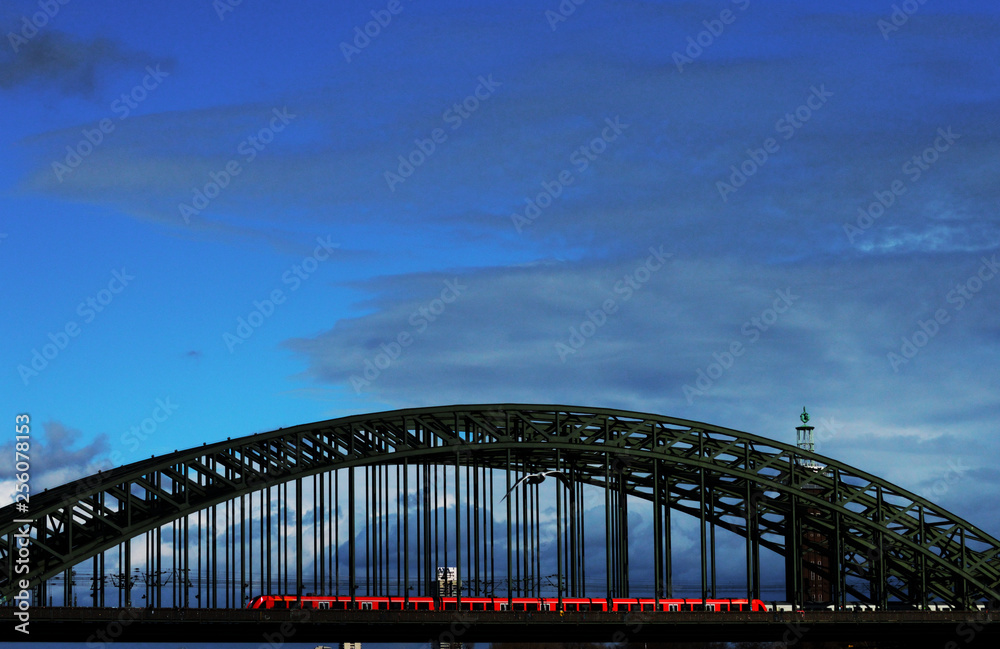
{"x": 57, "y": 60}
{"x": 806, "y": 333}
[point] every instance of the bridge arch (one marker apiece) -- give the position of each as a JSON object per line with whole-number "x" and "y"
{"x": 881, "y": 543}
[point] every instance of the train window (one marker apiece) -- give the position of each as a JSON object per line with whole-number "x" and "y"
{"x": 281, "y": 604}
{"x": 532, "y": 607}
{"x": 449, "y": 606}
{"x": 479, "y": 606}
{"x": 423, "y": 606}
{"x": 395, "y": 606}
{"x": 647, "y": 607}
{"x": 338, "y": 606}
{"x": 585, "y": 607}
{"x": 519, "y": 606}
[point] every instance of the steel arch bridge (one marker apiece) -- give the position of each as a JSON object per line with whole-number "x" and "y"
{"x": 867, "y": 539}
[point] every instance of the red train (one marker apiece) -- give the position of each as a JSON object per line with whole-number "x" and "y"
{"x": 341, "y": 603}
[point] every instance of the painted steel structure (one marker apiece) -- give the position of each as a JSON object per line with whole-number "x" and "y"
{"x": 881, "y": 543}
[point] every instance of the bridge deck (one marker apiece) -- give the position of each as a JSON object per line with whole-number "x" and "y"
{"x": 273, "y": 628}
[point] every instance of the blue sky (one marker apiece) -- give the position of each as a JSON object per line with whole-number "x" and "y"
{"x": 720, "y": 211}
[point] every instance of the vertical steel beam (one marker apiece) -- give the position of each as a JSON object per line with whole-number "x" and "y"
{"x": 923, "y": 563}
{"x": 609, "y": 531}
{"x": 668, "y": 539}
{"x": 320, "y": 554}
{"x": 748, "y": 507}
{"x": 458, "y": 523}
{"x": 510, "y": 557}
{"x": 836, "y": 567}
{"x": 336, "y": 532}
{"x": 711, "y": 505}
{"x": 882, "y": 600}
{"x": 701, "y": 514}
{"x": 428, "y": 553}
{"x": 298, "y": 542}
{"x": 559, "y": 534}
{"x": 406, "y": 533}
{"x": 351, "y": 577}
{"x": 657, "y": 530}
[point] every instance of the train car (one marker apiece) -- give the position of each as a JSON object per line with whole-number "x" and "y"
{"x": 517, "y": 604}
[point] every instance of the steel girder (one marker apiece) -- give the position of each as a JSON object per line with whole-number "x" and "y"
{"x": 904, "y": 546}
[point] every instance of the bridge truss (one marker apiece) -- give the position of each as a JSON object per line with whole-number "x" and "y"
{"x": 411, "y": 490}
